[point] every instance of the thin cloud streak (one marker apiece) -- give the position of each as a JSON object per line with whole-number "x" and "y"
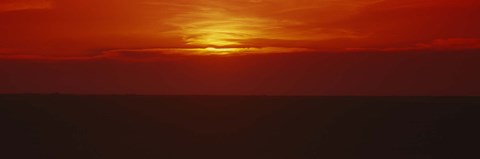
{"x": 160, "y": 54}
{"x": 438, "y": 45}
{"x": 8, "y": 5}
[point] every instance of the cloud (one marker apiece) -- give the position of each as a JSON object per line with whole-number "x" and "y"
{"x": 15, "y": 5}
{"x": 451, "y": 44}
{"x": 233, "y": 23}
{"x": 47, "y": 58}
{"x": 210, "y": 51}
{"x": 160, "y": 54}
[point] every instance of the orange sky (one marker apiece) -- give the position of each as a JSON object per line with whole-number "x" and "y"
{"x": 278, "y": 47}
{"x": 96, "y": 28}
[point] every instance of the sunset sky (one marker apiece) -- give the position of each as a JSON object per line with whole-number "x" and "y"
{"x": 249, "y": 47}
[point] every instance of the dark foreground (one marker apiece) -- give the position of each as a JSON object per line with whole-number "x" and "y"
{"x": 188, "y": 127}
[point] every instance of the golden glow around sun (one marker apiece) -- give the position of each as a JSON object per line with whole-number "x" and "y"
{"x": 212, "y": 29}
{"x": 207, "y": 27}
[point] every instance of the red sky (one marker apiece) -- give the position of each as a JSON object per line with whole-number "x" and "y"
{"x": 273, "y": 47}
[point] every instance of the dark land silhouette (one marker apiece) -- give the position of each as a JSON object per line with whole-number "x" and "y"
{"x": 237, "y": 127}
